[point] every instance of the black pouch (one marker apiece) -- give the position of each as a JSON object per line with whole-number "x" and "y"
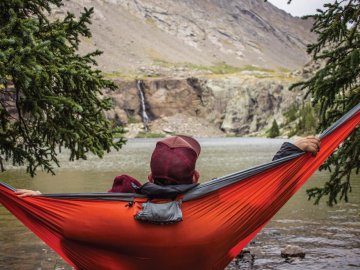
{"x": 160, "y": 213}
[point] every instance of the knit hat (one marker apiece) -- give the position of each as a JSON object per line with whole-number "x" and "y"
{"x": 125, "y": 184}
{"x": 173, "y": 160}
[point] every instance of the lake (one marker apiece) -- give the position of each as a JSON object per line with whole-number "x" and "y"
{"x": 329, "y": 235}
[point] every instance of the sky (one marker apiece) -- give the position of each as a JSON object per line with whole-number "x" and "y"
{"x": 300, "y": 7}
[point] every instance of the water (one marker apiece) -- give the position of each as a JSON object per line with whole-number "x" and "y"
{"x": 330, "y": 236}
{"x": 145, "y": 117}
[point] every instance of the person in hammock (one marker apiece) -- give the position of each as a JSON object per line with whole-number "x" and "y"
{"x": 173, "y": 163}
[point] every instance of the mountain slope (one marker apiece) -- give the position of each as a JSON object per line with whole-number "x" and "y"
{"x": 140, "y": 33}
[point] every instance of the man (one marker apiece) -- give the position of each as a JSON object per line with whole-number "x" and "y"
{"x": 173, "y": 163}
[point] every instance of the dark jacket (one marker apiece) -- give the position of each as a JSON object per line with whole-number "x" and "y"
{"x": 287, "y": 149}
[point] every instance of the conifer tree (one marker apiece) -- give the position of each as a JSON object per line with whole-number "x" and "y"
{"x": 335, "y": 89}
{"x": 50, "y": 95}
{"x": 274, "y": 130}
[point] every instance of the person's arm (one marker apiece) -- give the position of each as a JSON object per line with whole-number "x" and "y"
{"x": 302, "y": 144}
{"x": 26, "y": 192}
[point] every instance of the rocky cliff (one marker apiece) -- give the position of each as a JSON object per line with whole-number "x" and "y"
{"x": 241, "y": 104}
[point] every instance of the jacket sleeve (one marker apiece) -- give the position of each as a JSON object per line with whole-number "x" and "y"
{"x": 287, "y": 149}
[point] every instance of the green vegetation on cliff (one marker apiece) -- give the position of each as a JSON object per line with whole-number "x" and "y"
{"x": 302, "y": 119}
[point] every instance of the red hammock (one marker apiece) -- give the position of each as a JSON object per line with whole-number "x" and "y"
{"x": 98, "y": 231}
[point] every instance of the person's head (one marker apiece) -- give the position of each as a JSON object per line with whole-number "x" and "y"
{"x": 173, "y": 161}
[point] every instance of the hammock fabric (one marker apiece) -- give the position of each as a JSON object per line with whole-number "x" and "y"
{"x": 98, "y": 231}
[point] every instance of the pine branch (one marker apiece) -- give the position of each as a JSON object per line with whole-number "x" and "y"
{"x": 335, "y": 88}
{"x": 57, "y": 92}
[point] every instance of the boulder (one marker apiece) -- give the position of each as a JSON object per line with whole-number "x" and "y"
{"x": 293, "y": 251}
{"x": 245, "y": 257}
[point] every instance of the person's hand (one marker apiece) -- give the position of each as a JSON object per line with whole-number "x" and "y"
{"x": 308, "y": 144}
{"x": 26, "y": 192}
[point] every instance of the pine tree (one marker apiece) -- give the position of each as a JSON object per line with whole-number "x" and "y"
{"x": 335, "y": 89}
{"x": 274, "y": 130}
{"x": 50, "y": 95}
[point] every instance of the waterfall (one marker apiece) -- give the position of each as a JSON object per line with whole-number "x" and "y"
{"x": 145, "y": 117}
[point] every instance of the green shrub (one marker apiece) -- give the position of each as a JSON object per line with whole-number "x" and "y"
{"x": 274, "y": 130}
{"x": 305, "y": 119}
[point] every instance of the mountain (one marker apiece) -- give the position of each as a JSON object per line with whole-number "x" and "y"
{"x": 139, "y": 34}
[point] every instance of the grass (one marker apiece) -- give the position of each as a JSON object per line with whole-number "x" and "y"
{"x": 132, "y": 119}
{"x": 277, "y": 76}
{"x": 149, "y": 135}
{"x": 282, "y": 69}
{"x": 131, "y": 75}
{"x": 163, "y": 63}
{"x": 220, "y": 68}
{"x": 150, "y": 21}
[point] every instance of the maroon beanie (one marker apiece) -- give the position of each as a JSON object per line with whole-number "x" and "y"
{"x": 173, "y": 160}
{"x": 125, "y": 184}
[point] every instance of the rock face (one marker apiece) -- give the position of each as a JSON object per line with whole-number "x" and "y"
{"x": 184, "y": 41}
{"x": 138, "y": 34}
{"x": 241, "y": 104}
{"x": 293, "y": 251}
{"x": 247, "y": 105}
